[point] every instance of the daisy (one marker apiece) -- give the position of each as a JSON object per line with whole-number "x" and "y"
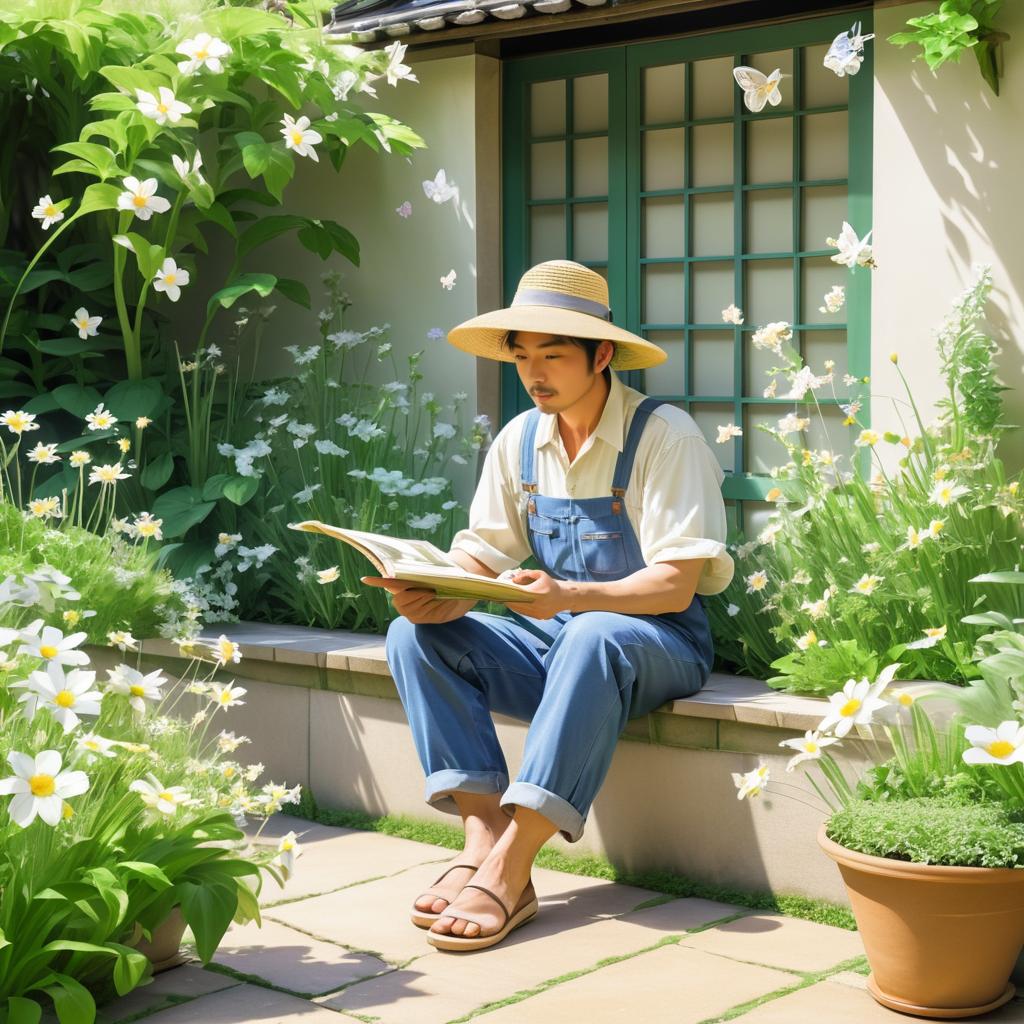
{"x": 124, "y": 444}
{"x": 46, "y": 211}
{"x": 100, "y": 418}
{"x": 1002, "y": 745}
{"x": 95, "y": 746}
{"x": 809, "y": 639}
{"x": 18, "y": 422}
{"x": 123, "y": 640}
{"x": 203, "y": 51}
{"x": 52, "y": 646}
{"x": 163, "y": 109}
{"x": 757, "y": 581}
{"x": 79, "y": 458}
{"x": 40, "y": 787}
{"x": 866, "y": 584}
{"x": 65, "y": 697}
{"x": 751, "y": 783}
{"x": 44, "y": 454}
{"x": 108, "y": 474}
{"x": 914, "y": 537}
{"x": 935, "y": 527}
{"x": 160, "y": 798}
{"x": 732, "y": 314}
{"x": 299, "y": 137}
{"x": 141, "y": 199}
{"x": 857, "y": 702}
{"x": 226, "y": 650}
{"x": 866, "y": 438}
{"x": 226, "y": 696}
{"x": 170, "y": 278}
{"x": 808, "y": 747}
{"x": 945, "y": 493}
{"x": 87, "y": 325}
{"x": 138, "y": 688}
{"x": 147, "y": 527}
{"x": 46, "y": 508}
{"x": 727, "y": 432}
{"x": 931, "y": 638}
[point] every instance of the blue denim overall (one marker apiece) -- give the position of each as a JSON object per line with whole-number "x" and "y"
{"x": 576, "y": 678}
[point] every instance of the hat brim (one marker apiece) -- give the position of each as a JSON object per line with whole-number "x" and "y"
{"x": 483, "y": 335}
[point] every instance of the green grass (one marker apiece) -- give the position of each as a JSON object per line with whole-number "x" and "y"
{"x": 590, "y": 865}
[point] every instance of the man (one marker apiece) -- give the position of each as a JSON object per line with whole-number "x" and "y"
{"x": 618, "y": 497}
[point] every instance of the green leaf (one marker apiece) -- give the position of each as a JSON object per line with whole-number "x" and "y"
{"x": 221, "y": 216}
{"x": 267, "y": 228}
{"x": 279, "y": 172}
{"x": 109, "y": 128}
{"x": 76, "y": 346}
{"x": 23, "y": 1011}
{"x": 181, "y": 509}
{"x": 263, "y": 284}
{"x": 150, "y": 872}
{"x": 294, "y": 290}
{"x": 98, "y": 197}
{"x": 99, "y": 157}
{"x": 149, "y": 255}
{"x": 130, "y": 967}
{"x": 71, "y": 1000}
{"x": 131, "y": 79}
{"x": 158, "y": 472}
{"x": 129, "y": 399}
{"x": 209, "y": 910}
{"x": 1003, "y": 576}
{"x": 214, "y": 486}
{"x": 240, "y": 489}
{"x": 77, "y": 399}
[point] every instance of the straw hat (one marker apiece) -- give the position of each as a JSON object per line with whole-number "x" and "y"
{"x": 556, "y": 297}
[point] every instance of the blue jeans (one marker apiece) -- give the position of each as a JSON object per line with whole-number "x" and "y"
{"x": 576, "y": 679}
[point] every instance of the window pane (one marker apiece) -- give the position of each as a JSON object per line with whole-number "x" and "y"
{"x": 825, "y": 145}
{"x": 819, "y": 274}
{"x": 825, "y": 209}
{"x": 547, "y": 233}
{"x": 664, "y": 90}
{"x": 820, "y": 346}
{"x": 822, "y": 88}
{"x": 762, "y": 450}
{"x": 547, "y": 170}
{"x": 767, "y": 63}
{"x": 663, "y": 158}
{"x": 664, "y": 226}
{"x": 590, "y": 167}
{"x": 712, "y": 290}
{"x": 769, "y": 225}
{"x": 667, "y": 378}
{"x": 756, "y": 362}
{"x": 713, "y": 87}
{"x": 769, "y": 150}
{"x": 663, "y": 293}
{"x": 713, "y": 359}
{"x": 590, "y": 103}
{"x": 756, "y": 516}
{"x": 712, "y": 224}
{"x": 590, "y": 231}
{"x": 709, "y": 418}
{"x": 712, "y": 155}
{"x": 547, "y": 108}
{"x": 769, "y": 291}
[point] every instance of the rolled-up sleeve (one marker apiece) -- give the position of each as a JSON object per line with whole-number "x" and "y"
{"x": 496, "y": 534}
{"x": 683, "y": 514}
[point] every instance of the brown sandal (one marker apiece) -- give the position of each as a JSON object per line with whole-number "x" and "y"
{"x": 425, "y": 918}
{"x": 525, "y": 910}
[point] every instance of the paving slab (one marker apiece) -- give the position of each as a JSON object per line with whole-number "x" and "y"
{"x": 839, "y": 1003}
{"x": 289, "y": 959}
{"x": 778, "y": 941}
{"x": 189, "y": 980}
{"x": 374, "y": 916}
{"x": 331, "y": 858}
{"x": 246, "y": 1004}
{"x": 669, "y": 985}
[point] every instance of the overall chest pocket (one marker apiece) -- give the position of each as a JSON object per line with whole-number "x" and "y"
{"x": 603, "y": 550}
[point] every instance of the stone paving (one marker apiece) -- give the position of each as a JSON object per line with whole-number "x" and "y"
{"x": 337, "y": 945}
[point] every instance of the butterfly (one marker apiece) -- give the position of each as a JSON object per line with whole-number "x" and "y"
{"x": 405, "y": 210}
{"x": 853, "y": 251}
{"x": 759, "y": 88}
{"x": 846, "y": 53}
{"x": 440, "y": 190}
{"x": 448, "y": 281}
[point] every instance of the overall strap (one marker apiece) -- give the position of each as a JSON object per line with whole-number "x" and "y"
{"x": 624, "y": 463}
{"x": 527, "y": 451}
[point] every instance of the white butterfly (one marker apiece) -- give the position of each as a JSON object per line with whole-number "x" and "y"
{"x": 440, "y": 190}
{"x": 448, "y": 281}
{"x": 846, "y": 53}
{"x": 853, "y": 251}
{"x": 759, "y": 88}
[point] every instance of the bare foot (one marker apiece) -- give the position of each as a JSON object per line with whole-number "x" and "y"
{"x": 440, "y": 895}
{"x": 507, "y": 883}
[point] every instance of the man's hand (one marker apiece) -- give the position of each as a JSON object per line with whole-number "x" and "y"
{"x": 553, "y": 596}
{"x": 418, "y": 604}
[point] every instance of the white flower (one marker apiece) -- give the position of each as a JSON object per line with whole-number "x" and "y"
{"x": 803, "y": 382}
{"x": 44, "y": 454}
{"x": 66, "y": 697}
{"x": 189, "y": 173}
{"x": 225, "y": 542}
{"x": 100, "y": 418}
{"x": 226, "y": 696}
{"x": 228, "y": 742}
{"x": 445, "y": 430}
{"x": 146, "y": 527}
{"x": 809, "y": 747}
{"x": 87, "y": 325}
{"x": 328, "y": 575}
{"x": 834, "y": 299}
{"x": 751, "y": 783}
{"x": 772, "y": 335}
{"x": 1002, "y": 745}
{"x": 733, "y": 609}
{"x": 138, "y": 688}
{"x": 46, "y": 211}
{"x": 757, "y": 581}
{"x": 52, "y": 646}
{"x": 729, "y": 431}
{"x": 107, "y": 474}
{"x": 945, "y": 493}
{"x": 857, "y": 702}
{"x": 299, "y": 137}
{"x": 791, "y": 423}
{"x": 809, "y": 639}
{"x": 203, "y": 51}
{"x": 170, "y": 278}
{"x": 395, "y": 69}
{"x": 935, "y": 527}
{"x": 866, "y": 439}
{"x": 123, "y": 640}
{"x": 287, "y": 851}
{"x": 226, "y": 651}
{"x": 141, "y": 199}
{"x": 931, "y": 638}
{"x": 866, "y": 584}
{"x": 158, "y": 797}
{"x": 40, "y": 787}
{"x": 732, "y": 314}
{"x": 163, "y": 108}
{"x": 94, "y": 746}
{"x": 19, "y": 422}
{"x": 853, "y": 251}
{"x": 430, "y": 521}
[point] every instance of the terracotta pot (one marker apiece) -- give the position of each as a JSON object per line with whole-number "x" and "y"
{"x": 163, "y": 950}
{"x": 941, "y": 941}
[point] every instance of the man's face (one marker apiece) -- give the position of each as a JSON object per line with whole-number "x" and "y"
{"x": 554, "y": 371}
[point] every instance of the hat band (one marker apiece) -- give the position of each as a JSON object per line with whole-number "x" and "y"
{"x": 543, "y": 297}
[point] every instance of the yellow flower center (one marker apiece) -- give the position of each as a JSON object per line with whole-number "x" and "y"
{"x": 66, "y": 810}
{"x": 50, "y": 211}
{"x": 167, "y": 796}
{"x": 297, "y": 138}
{"x": 225, "y": 697}
{"x": 64, "y": 699}
{"x": 162, "y": 107}
{"x": 811, "y": 747}
{"x": 850, "y": 707}
{"x": 906, "y": 699}
{"x": 202, "y": 54}
{"x": 169, "y": 278}
{"x": 136, "y": 690}
{"x": 42, "y": 785}
{"x": 47, "y": 651}
{"x": 139, "y": 200}
{"x": 83, "y": 324}
{"x": 91, "y": 744}
{"x": 1000, "y": 748}
{"x": 228, "y": 771}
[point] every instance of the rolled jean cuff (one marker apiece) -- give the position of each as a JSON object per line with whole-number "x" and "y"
{"x": 562, "y": 813}
{"x": 440, "y": 785}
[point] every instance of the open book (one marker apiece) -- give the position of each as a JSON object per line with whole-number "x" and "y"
{"x": 419, "y": 561}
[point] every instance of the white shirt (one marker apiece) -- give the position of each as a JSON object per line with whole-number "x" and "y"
{"x": 673, "y": 498}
